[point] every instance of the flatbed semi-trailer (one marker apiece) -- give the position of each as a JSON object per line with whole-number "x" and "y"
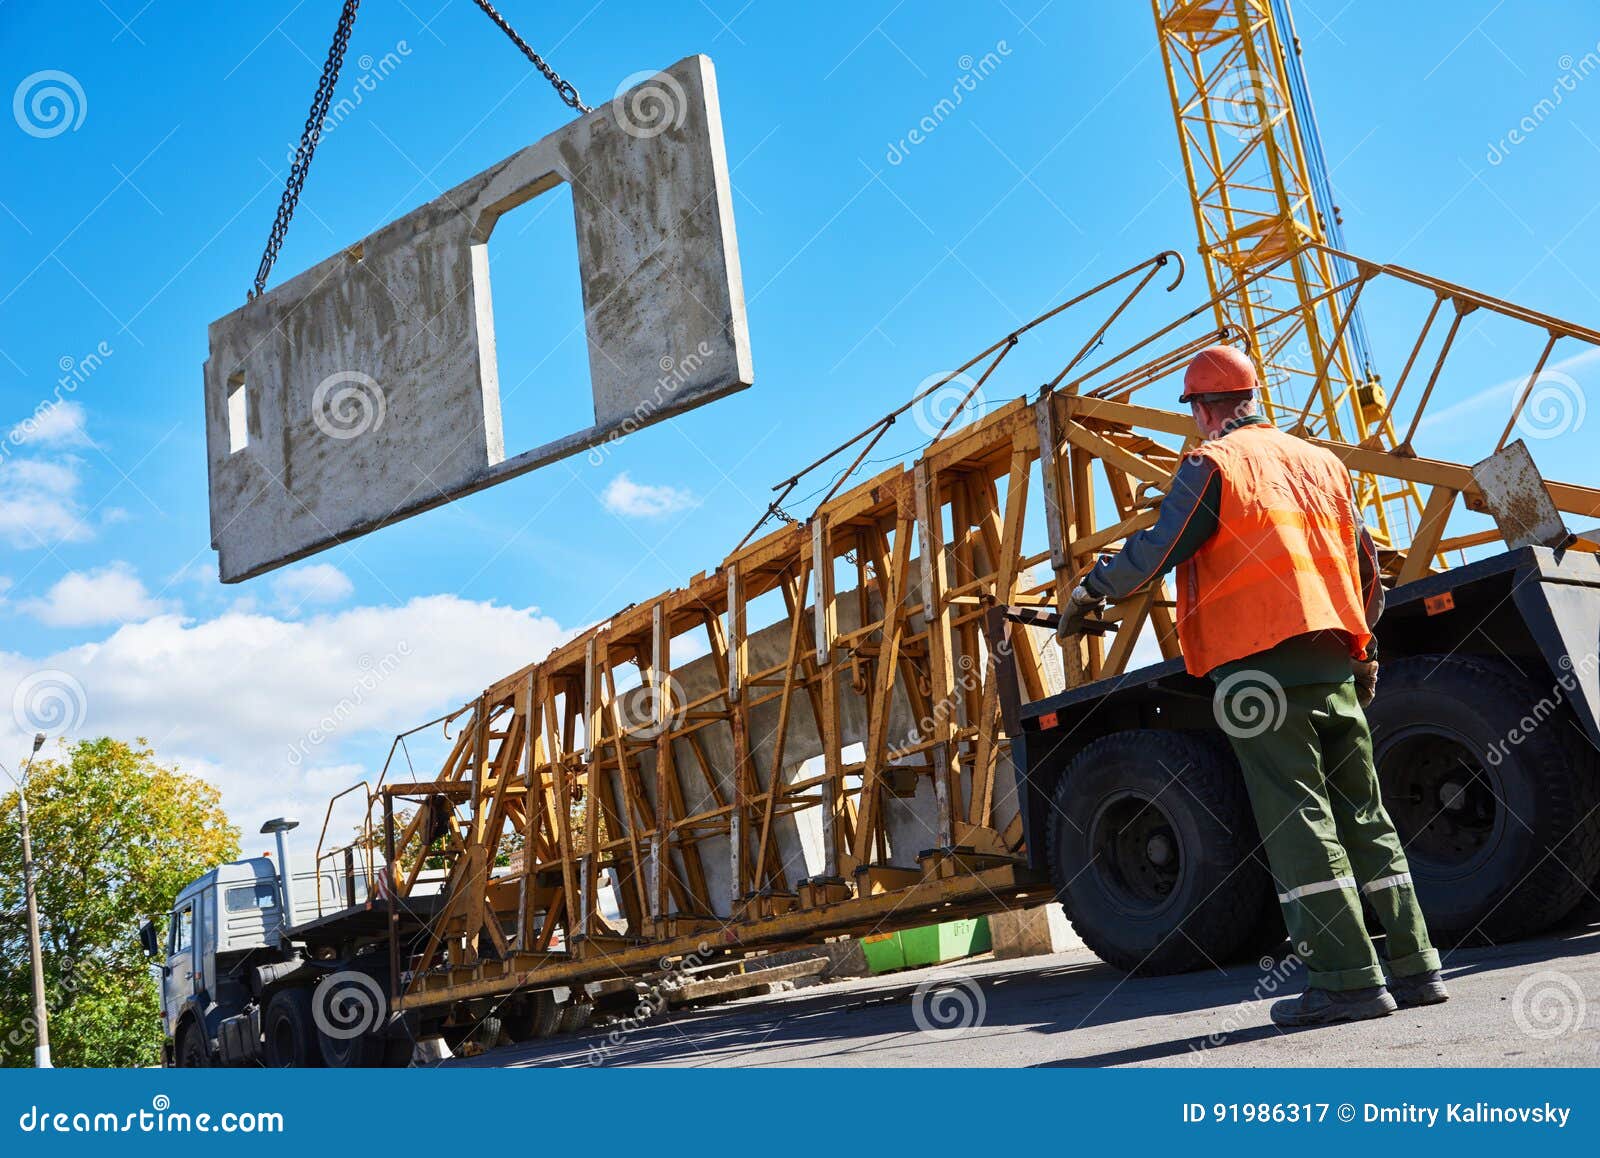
{"x": 863, "y": 722}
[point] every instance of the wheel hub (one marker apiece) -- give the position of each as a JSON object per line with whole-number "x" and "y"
{"x": 1444, "y": 800}
{"x": 1137, "y": 854}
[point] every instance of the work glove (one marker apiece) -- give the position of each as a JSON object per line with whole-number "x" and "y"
{"x": 1366, "y": 673}
{"x": 1082, "y": 615}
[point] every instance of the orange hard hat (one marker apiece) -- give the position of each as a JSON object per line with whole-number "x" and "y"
{"x": 1219, "y": 370}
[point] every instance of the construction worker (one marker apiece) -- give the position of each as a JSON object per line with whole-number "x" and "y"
{"x": 1277, "y": 594}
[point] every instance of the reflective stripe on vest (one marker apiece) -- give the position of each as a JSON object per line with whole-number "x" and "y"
{"x": 1283, "y": 561}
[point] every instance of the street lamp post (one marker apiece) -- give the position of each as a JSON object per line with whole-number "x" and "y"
{"x": 41, "y": 1052}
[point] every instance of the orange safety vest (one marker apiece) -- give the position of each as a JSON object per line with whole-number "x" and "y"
{"x": 1283, "y": 559}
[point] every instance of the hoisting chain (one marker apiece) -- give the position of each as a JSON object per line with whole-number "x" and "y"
{"x": 308, "y": 142}
{"x": 565, "y": 89}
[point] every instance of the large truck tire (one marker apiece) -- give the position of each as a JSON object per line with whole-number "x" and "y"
{"x": 191, "y": 1052}
{"x": 1152, "y": 850}
{"x": 289, "y": 1031}
{"x": 536, "y": 1016}
{"x": 1586, "y": 758}
{"x": 1497, "y": 815}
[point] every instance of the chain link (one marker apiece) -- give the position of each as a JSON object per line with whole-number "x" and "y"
{"x": 565, "y": 89}
{"x": 308, "y": 142}
{"x": 320, "y": 103}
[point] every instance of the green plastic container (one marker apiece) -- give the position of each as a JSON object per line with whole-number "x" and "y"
{"x": 883, "y": 952}
{"x": 929, "y": 945}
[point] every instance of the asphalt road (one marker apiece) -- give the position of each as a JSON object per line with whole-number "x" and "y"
{"x": 1534, "y": 1003}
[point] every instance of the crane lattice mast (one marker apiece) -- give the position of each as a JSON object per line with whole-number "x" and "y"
{"x": 1259, "y": 186}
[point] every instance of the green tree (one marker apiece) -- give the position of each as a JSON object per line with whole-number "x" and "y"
{"x": 116, "y": 834}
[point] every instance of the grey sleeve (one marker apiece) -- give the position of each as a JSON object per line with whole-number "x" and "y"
{"x": 1367, "y": 563}
{"x": 1188, "y": 518}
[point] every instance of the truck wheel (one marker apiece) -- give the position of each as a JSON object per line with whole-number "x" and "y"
{"x": 1152, "y": 851}
{"x": 1498, "y": 819}
{"x": 1586, "y": 758}
{"x": 192, "y": 1053}
{"x": 535, "y": 1017}
{"x": 345, "y": 1003}
{"x": 289, "y": 1032}
{"x": 575, "y": 1016}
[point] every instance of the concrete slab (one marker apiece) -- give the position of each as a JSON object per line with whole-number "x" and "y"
{"x": 366, "y": 390}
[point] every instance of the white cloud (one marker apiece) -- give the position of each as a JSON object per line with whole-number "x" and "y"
{"x": 1466, "y": 418}
{"x": 111, "y": 594}
{"x": 316, "y": 583}
{"x": 280, "y": 714}
{"x": 61, "y": 424}
{"x": 623, "y": 496}
{"x": 38, "y": 502}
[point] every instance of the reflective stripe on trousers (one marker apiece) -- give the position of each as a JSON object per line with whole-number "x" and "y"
{"x": 1320, "y": 887}
{"x": 1386, "y": 882}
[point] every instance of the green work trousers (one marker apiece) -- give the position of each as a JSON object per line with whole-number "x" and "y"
{"x": 1329, "y": 840}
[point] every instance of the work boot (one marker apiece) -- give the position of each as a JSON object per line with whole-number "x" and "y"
{"x": 1419, "y": 989}
{"x": 1331, "y": 1006}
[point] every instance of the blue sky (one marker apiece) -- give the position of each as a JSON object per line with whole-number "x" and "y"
{"x": 868, "y": 266}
